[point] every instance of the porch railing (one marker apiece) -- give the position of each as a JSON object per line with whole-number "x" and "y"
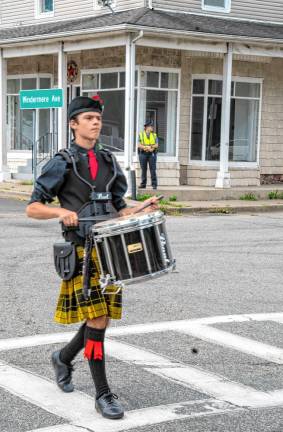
{"x": 43, "y": 150}
{"x": 21, "y": 142}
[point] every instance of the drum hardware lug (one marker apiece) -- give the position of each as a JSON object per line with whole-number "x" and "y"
{"x": 106, "y": 281}
{"x": 174, "y": 270}
{"x": 163, "y": 244}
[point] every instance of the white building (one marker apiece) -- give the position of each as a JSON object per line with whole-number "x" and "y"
{"x": 207, "y": 72}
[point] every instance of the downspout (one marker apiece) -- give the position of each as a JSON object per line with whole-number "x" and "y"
{"x": 150, "y": 5}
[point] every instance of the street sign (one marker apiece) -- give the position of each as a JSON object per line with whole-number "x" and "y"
{"x": 41, "y": 99}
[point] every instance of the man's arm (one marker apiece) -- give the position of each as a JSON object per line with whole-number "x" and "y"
{"x": 38, "y": 210}
{"x": 139, "y": 207}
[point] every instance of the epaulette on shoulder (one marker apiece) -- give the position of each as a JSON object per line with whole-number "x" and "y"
{"x": 105, "y": 152}
{"x": 67, "y": 154}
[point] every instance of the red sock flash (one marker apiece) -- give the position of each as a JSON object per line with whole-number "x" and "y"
{"x": 93, "y": 350}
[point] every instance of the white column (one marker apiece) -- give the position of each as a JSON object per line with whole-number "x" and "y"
{"x": 4, "y": 172}
{"x": 223, "y": 176}
{"x": 129, "y": 110}
{"x": 62, "y": 83}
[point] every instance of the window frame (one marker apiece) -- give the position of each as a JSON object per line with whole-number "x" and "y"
{"x": 16, "y": 152}
{"x": 119, "y": 155}
{"x": 139, "y": 69}
{"x": 39, "y": 14}
{"x": 235, "y": 79}
{"x": 225, "y": 9}
{"x": 165, "y": 157}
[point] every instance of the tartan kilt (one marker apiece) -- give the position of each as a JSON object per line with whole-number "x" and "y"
{"x": 72, "y": 306}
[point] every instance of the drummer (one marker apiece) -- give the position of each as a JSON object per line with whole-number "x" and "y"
{"x": 59, "y": 180}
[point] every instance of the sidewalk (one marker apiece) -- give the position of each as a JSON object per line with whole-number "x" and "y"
{"x": 19, "y": 191}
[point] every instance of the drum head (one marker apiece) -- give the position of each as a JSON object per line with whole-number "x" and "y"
{"x": 128, "y": 223}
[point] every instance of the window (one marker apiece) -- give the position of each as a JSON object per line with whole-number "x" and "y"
{"x": 26, "y": 126}
{"x": 47, "y": 6}
{"x": 206, "y": 120}
{"x": 216, "y": 5}
{"x": 111, "y": 87}
{"x": 159, "y": 103}
{"x": 44, "y": 8}
{"x": 156, "y": 99}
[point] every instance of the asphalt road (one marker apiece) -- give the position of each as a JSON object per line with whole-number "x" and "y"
{"x": 228, "y": 265}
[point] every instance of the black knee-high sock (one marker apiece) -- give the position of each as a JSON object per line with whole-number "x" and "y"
{"x": 94, "y": 352}
{"x": 69, "y": 352}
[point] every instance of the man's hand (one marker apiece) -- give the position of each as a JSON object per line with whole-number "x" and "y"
{"x": 68, "y": 217}
{"x": 153, "y": 201}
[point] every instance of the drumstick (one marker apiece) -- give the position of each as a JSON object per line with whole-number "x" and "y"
{"x": 148, "y": 204}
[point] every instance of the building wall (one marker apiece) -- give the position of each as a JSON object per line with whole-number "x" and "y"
{"x": 271, "y": 141}
{"x": 19, "y": 12}
{"x": 263, "y": 10}
{"x": 168, "y": 172}
{"x": 183, "y": 171}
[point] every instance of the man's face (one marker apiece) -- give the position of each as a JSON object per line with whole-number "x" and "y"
{"x": 149, "y": 129}
{"x": 87, "y": 125}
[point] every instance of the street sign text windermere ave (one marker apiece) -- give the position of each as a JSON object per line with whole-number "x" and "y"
{"x": 40, "y": 99}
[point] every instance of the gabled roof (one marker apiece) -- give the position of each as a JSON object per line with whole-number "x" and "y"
{"x": 146, "y": 18}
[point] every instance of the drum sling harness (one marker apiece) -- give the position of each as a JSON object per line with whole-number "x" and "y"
{"x": 99, "y": 208}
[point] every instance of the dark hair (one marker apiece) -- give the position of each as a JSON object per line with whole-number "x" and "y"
{"x": 75, "y": 118}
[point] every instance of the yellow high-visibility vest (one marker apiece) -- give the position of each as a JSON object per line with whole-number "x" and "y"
{"x": 145, "y": 140}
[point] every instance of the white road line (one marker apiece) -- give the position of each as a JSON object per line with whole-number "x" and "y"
{"x": 211, "y": 384}
{"x": 278, "y": 320}
{"x": 36, "y": 340}
{"x": 44, "y": 393}
{"x": 161, "y": 414}
{"x": 78, "y": 408}
{"x": 218, "y": 387}
{"x": 47, "y": 339}
{"x": 239, "y": 343}
{"x": 60, "y": 428}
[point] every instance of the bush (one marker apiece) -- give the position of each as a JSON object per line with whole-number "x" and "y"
{"x": 173, "y": 198}
{"x": 248, "y": 197}
{"x": 275, "y": 195}
{"x": 27, "y": 182}
{"x": 143, "y": 197}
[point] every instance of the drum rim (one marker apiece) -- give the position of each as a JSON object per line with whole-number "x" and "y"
{"x": 170, "y": 268}
{"x": 128, "y": 223}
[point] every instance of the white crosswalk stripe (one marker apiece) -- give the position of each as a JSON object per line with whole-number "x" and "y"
{"x": 78, "y": 408}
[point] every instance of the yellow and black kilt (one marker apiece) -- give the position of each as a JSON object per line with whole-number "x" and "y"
{"x": 72, "y": 306}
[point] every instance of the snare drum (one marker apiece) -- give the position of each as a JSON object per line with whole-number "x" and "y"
{"x": 133, "y": 248}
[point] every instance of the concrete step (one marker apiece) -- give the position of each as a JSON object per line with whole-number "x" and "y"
{"x": 195, "y": 193}
{"x": 22, "y": 176}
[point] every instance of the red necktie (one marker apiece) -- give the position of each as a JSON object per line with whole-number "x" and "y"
{"x": 93, "y": 164}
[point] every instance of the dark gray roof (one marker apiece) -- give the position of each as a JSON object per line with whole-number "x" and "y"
{"x": 144, "y": 17}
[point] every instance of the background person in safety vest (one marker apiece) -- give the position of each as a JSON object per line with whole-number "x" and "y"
{"x": 148, "y": 145}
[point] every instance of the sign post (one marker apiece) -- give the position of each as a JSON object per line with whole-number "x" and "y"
{"x": 40, "y": 99}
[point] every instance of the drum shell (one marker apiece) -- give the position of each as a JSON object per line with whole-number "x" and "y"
{"x": 133, "y": 253}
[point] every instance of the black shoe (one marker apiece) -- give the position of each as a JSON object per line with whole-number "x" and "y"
{"x": 63, "y": 373}
{"x": 108, "y": 406}
{"x": 142, "y": 187}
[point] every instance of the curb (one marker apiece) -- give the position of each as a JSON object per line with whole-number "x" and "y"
{"x": 175, "y": 211}
{"x": 24, "y": 196}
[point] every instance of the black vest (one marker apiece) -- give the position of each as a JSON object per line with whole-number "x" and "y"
{"x": 74, "y": 193}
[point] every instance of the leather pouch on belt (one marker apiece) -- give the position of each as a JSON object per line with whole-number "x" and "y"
{"x": 65, "y": 259}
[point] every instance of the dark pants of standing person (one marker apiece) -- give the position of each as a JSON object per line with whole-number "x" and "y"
{"x": 147, "y": 158}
